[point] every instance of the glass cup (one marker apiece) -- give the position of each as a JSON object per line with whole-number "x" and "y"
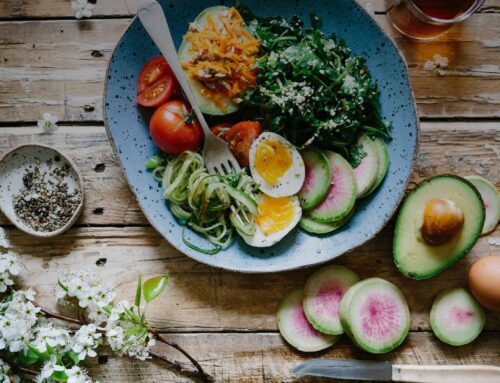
{"x": 427, "y": 19}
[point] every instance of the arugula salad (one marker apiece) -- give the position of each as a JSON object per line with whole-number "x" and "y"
{"x": 296, "y": 107}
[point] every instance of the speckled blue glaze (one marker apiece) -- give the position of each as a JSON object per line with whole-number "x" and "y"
{"x": 128, "y": 129}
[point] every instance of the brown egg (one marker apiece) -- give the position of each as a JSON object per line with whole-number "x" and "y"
{"x": 443, "y": 219}
{"x": 484, "y": 281}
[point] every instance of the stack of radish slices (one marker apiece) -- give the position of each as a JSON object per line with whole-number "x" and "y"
{"x": 372, "y": 312}
{"x": 332, "y": 186}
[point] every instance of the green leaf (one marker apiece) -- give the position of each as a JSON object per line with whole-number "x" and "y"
{"x": 131, "y": 315}
{"x": 154, "y": 287}
{"x": 71, "y": 357}
{"x": 62, "y": 286}
{"x": 26, "y": 360}
{"x": 59, "y": 376}
{"x": 134, "y": 330}
{"x": 138, "y": 290}
{"x": 33, "y": 355}
{"x": 108, "y": 309}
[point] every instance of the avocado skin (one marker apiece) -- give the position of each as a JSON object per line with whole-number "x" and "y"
{"x": 450, "y": 262}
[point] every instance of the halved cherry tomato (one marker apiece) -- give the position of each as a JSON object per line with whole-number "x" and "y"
{"x": 158, "y": 93}
{"x": 240, "y": 137}
{"x": 151, "y": 72}
{"x": 156, "y": 83}
{"x": 174, "y": 129}
{"x": 220, "y": 130}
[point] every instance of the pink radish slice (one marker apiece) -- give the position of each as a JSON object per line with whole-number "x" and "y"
{"x": 295, "y": 328}
{"x": 342, "y": 193}
{"x": 491, "y": 200}
{"x": 456, "y": 317}
{"x": 375, "y": 315}
{"x": 367, "y": 170}
{"x": 317, "y": 179}
{"x": 323, "y": 293}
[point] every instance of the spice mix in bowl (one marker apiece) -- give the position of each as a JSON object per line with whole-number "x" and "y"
{"x": 41, "y": 190}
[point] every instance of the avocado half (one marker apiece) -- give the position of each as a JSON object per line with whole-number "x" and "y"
{"x": 414, "y": 257}
{"x": 206, "y": 105}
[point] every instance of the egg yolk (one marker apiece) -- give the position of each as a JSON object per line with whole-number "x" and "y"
{"x": 272, "y": 160}
{"x": 275, "y": 214}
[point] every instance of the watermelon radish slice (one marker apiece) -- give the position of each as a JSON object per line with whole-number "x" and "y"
{"x": 323, "y": 293}
{"x": 317, "y": 181}
{"x": 366, "y": 171}
{"x": 382, "y": 164}
{"x": 456, "y": 318}
{"x": 341, "y": 196}
{"x": 491, "y": 201}
{"x": 295, "y": 328}
{"x": 374, "y": 313}
{"x": 314, "y": 227}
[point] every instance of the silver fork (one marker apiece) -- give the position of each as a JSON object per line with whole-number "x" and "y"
{"x": 218, "y": 158}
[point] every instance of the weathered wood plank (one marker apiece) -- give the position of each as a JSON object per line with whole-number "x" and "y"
{"x": 263, "y": 358}
{"x": 460, "y": 148}
{"x": 15, "y": 9}
{"x": 200, "y": 298}
{"x": 37, "y": 75}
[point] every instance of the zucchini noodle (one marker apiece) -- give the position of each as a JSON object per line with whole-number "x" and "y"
{"x": 211, "y": 204}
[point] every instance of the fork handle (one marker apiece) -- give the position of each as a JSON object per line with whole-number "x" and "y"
{"x": 446, "y": 374}
{"x": 153, "y": 18}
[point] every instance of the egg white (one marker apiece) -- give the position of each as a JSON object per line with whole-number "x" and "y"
{"x": 260, "y": 239}
{"x": 288, "y": 184}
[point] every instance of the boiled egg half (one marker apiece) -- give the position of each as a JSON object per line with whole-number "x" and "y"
{"x": 276, "y": 165}
{"x": 276, "y": 217}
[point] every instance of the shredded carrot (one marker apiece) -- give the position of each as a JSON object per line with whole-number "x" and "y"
{"x": 222, "y": 56}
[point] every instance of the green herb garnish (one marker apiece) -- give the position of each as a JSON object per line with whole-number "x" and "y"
{"x": 311, "y": 88}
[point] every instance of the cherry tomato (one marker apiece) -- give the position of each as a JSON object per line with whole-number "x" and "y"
{"x": 220, "y": 130}
{"x": 240, "y": 137}
{"x": 174, "y": 129}
{"x": 151, "y": 72}
{"x": 156, "y": 83}
{"x": 158, "y": 93}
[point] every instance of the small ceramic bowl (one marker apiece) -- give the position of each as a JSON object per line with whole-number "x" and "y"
{"x": 13, "y": 166}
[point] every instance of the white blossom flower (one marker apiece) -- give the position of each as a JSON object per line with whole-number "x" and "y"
{"x": 48, "y": 124}
{"x": 77, "y": 374}
{"x": 82, "y": 8}
{"x": 86, "y": 340}
{"x": 10, "y": 266}
{"x": 11, "y": 263}
{"x": 136, "y": 345}
{"x": 440, "y": 60}
{"x": 48, "y": 369}
{"x": 6, "y": 375}
{"x": 437, "y": 64}
{"x": 97, "y": 315}
{"x": 429, "y": 65}
{"x": 17, "y": 320}
{"x": 55, "y": 337}
{"x": 89, "y": 292}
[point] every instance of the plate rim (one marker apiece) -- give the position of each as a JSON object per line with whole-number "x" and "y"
{"x": 291, "y": 268}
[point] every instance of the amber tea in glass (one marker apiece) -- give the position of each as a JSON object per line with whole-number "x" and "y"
{"x": 427, "y": 19}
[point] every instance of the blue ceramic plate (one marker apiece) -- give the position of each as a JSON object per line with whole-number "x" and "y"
{"x": 128, "y": 131}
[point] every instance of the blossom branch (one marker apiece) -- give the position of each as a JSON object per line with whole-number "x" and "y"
{"x": 180, "y": 367}
{"x": 206, "y": 377}
{"x": 23, "y": 370}
{"x": 50, "y": 314}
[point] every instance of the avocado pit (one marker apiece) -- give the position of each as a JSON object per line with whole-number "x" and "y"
{"x": 443, "y": 219}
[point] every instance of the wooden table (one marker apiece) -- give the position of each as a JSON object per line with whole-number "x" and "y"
{"x": 50, "y": 62}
